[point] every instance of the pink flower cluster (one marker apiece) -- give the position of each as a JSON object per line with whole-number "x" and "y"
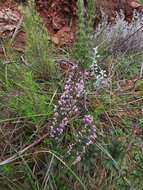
{"x": 69, "y": 103}
{"x": 86, "y": 137}
{"x": 91, "y": 137}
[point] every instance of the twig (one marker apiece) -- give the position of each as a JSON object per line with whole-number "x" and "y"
{"x": 17, "y": 29}
{"x": 122, "y": 43}
{"x": 141, "y": 71}
{"x": 19, "y": 153}
{"x": 135, "y": 101}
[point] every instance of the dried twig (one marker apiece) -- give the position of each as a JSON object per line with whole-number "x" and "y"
{"x": 19, "y": 153}
{"x": 17, "y": 29}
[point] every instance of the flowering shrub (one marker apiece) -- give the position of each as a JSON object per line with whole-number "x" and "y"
{"x": 84, "y": 137}
{"x": 72, "y": 104}
{"x": 97, "y": 74}
{"x": 121, "y": 36}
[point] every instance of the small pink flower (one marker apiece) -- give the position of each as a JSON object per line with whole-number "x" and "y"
{"x": 88, "y": 119}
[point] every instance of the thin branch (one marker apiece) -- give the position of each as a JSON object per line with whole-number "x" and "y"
{"x": 19, "y": 153}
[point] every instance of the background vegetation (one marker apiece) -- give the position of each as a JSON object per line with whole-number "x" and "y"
{"x": 74, "y": 122}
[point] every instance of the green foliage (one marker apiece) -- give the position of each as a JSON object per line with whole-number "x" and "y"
{"x": 141, "y": 123}
{"x": 91, "y": 7}
{"x": 8, "y": 170}
{"x": 31, "y": 102}
{"x": 39, "y": 51}
{"x": 128, "y": 65}
{"x": 10, "y": 73}
{"x": 83, "y": 45}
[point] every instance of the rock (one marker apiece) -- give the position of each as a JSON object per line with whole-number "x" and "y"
{"x": 110, "y": 7}
{"x": 135, "y": 5}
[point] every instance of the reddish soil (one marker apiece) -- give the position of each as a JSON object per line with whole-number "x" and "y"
{"x": 9, "y": 18}
{"x": 60, "y": 16}
{"x": 110, "y": 7}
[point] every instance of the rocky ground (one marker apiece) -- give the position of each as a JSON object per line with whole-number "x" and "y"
{"x": 60, "y": 17}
